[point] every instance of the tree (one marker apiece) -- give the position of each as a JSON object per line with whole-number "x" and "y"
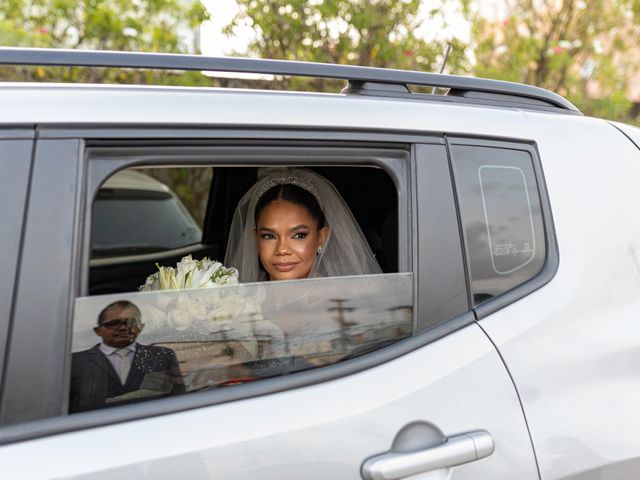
{"x": 122, "y": 25}
{"x": 133, "y": 25}
{"x": 382, "y": 33}
{"x": 582, "y": 51}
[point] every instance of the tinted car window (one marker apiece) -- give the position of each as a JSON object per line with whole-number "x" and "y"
{"x": 189, "y": 340}
{"x": 501, "y": 216}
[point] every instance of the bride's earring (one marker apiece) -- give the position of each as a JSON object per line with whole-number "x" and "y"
{"x": 319, "y": 250}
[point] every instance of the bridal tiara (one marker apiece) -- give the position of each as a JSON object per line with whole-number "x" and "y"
{"x": 287, "y": 179}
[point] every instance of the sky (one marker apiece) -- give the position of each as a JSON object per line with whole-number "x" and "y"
{"x": 215, "y": 43}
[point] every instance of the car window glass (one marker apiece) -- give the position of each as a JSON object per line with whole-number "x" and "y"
{"x": 501, "y": 216}
{"x": 147, "y": 331}
{"x": 194, "y": 339}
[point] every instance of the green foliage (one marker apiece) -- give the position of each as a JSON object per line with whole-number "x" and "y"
{"x": 382, "y": 33}
{"x": 123, "y": 25}
{"x": 191, "y": 185}
{"x": 580, "y": 50}
{"x": 615, "y": 106}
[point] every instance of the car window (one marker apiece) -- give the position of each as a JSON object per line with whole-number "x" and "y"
{"x": 146, "y": 330}
{"x": 195, "y": 339}
{"x": 501, "y": 216}
{"x": 125, "y": 213}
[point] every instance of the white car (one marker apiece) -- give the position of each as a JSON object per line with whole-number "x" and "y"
{"x": 500, "y": 340}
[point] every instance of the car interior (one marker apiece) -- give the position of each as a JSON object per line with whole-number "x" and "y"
{"x": 369, "y": 192}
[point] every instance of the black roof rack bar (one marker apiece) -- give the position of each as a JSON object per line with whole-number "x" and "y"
{"x": 162, "y": 61}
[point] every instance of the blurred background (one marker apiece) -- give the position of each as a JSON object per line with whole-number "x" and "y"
{"x": 586, "y": 51}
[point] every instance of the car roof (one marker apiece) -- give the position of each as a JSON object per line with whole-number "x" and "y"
{"x": 361, "y": 79}
{"x": 81, "y": 105}
{"x": 373, "y": 99}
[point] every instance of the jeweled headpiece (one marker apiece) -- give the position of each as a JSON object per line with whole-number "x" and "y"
{"x": 287, "y": 179}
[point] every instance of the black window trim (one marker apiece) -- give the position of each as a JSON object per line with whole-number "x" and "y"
{"x": 17, "y": 149}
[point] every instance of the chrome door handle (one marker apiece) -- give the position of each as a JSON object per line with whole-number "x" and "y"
{"x": 456, "y": 450}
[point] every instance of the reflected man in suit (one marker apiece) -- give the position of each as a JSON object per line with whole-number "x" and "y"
{"x": 119, "y": 369}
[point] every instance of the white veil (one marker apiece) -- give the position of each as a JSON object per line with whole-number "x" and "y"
{"x": 346, "y": 251}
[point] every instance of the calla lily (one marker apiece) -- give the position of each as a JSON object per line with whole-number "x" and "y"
{"x": 190, "y": 273}
{"x": 165, "y": 274}
{"x": 151, "y": 284}
{"x": 186, "y": 264}
{"x": 201, "y": 278}
{"x": 206, "y": 262}
{"x": 178, "y": 279}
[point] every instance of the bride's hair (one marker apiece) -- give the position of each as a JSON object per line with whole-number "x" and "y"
{"x": 345, "y": 251}
{"x": 292, "y": 194}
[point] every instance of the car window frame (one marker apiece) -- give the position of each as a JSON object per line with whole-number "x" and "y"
{"x": 16, "y": 156}
{"x": 39, "y": 327}
{"x": 552, "y": 259}
{"x": 42, "y": 423}
{"x": 113, "y": 159}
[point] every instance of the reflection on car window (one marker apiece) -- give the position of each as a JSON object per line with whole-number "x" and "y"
{"x": 230, "y": 334}
{"x": 502, "y": 218}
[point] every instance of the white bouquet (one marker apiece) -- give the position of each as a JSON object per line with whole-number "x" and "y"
{"x": 185, "y": 304}
{"x": 190, "y": 273}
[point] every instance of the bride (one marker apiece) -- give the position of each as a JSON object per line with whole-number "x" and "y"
{"x": 293, "y": 224}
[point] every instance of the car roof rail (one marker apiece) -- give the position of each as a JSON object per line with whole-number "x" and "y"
{"x": 364, "y": 80}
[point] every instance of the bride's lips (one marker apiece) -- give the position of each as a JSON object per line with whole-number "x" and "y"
{"x": 285, "y": 266}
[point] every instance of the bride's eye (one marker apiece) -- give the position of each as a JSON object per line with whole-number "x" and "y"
{"x": 300, "y": 235}
{"x": 267, "y": 236}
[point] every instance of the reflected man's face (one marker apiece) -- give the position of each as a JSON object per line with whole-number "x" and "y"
{"x": 119, "y": 327}
{"x": 287, "y": 238}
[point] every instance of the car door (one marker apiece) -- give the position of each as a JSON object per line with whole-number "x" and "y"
{"x": 580, "y": 347}
{"x": 438, "y": 401}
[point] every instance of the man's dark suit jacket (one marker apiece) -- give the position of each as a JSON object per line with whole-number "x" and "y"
{"x": 94, "y": 380}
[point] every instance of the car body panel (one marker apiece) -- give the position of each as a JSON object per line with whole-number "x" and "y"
{"x": 630, "y": 131}
{"x": 574, "y": 361}
{"x": 125, "y": 105}
{"x": 457, "y": 383}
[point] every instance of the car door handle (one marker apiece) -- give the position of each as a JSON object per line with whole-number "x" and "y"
{"x": 456, "y": 450}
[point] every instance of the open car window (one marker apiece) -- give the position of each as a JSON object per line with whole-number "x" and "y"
{"x": 171, "y": 339}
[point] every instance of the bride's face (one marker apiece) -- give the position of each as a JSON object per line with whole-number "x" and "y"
{"x": 288, "y": 237}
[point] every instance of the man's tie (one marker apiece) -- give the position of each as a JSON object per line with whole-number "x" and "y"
{"x": 123, "y": 364}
